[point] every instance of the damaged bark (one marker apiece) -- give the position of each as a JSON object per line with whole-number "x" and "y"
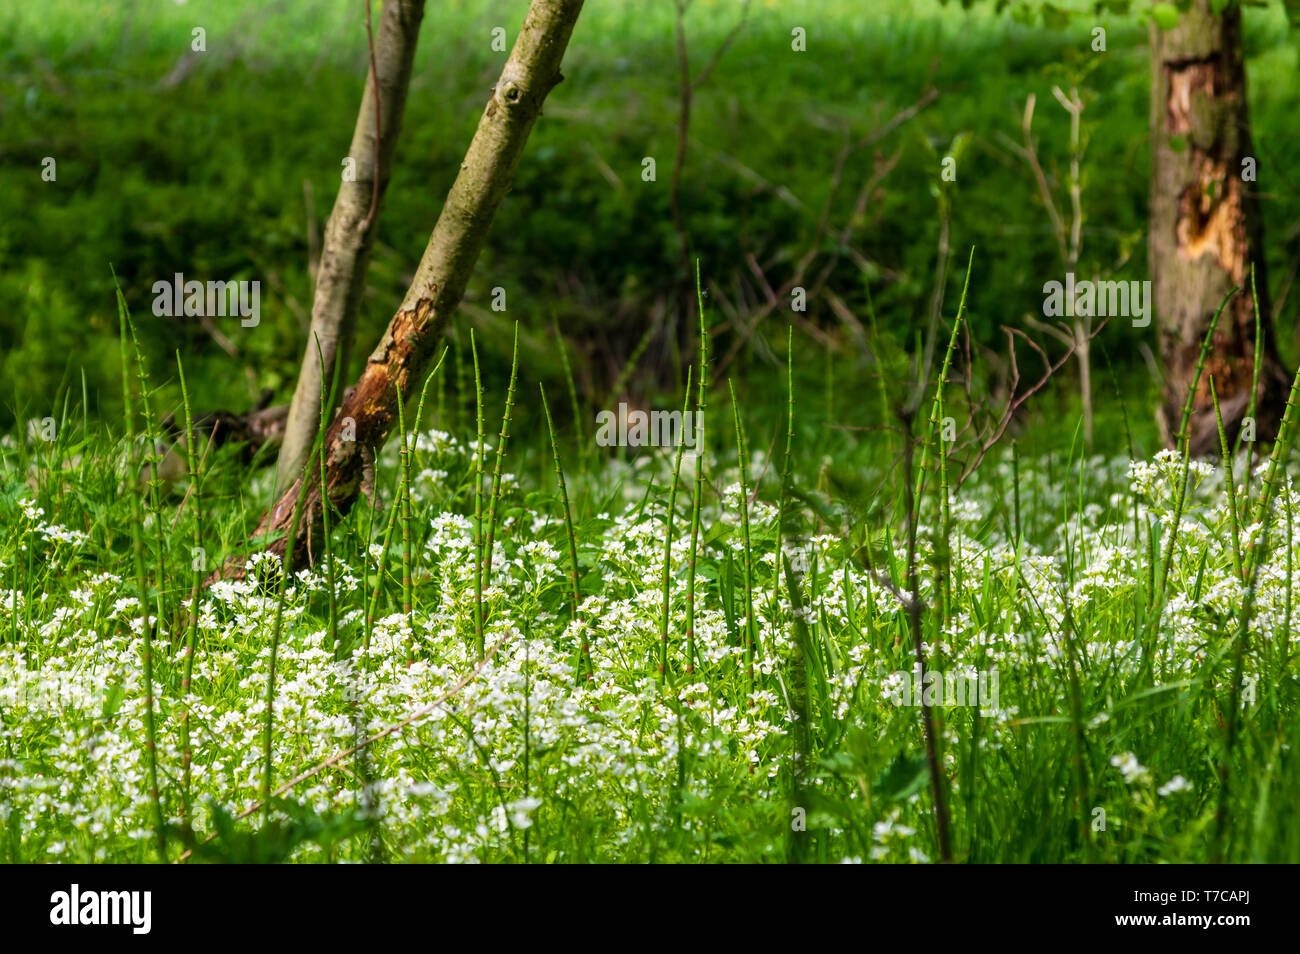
{"x": 1205, "y": 230}
{"x": 405, "y": 352}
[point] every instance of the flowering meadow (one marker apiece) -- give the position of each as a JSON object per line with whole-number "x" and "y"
{"x": 700, "y": 702}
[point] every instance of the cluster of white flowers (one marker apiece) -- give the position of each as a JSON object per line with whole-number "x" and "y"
{"x": 566, "y": 711}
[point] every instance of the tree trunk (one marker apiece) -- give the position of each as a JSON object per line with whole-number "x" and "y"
{"x": 1205, "y": 229}
{"x": 407, "y": 348}
{"x": 350, "y": 232}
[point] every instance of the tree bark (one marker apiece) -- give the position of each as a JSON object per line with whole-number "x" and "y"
{"x": 350, "y": 231}
{"x": 404, "y": 353}
{"x": 1205, "y": 230}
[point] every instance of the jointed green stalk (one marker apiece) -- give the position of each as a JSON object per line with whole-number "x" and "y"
{"x": 1280, "y": 446}
{"x": 407, "y": 463}
{"x": 193, "y": 463}
{"x": 785, "y": 470}
{"x": 494, "y": 502}
{"x": 155, "y": 503}
{"x": 478, "y": 501}
{"x": 936, "y": 408}
{"x": 137, "y": 549}
{"x": 1257, "y": 553}
{"x": 914, "y": 609}
{"x": 380, "y": 565}
{"x": 268, "y": 766}
{"x": 799, "y": 651}
{"x": 668, "y": 532}
{"x": 584, "y": 658}
{"x": 1184, "y": 442}
{"x": 1229, "y": 483}
{"x": 750, "y": 635}
{"x": 698, "y": 498}
{"x": 332, "y": 631}
{"x": 404, "y": 501}
{"x": 1254, "y": 384}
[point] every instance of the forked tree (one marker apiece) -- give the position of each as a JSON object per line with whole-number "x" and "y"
{"x": 350, "y": 231}
{"x": 404, "y": 354}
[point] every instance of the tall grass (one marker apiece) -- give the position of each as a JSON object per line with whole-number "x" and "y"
{"x": 591, "y": 731}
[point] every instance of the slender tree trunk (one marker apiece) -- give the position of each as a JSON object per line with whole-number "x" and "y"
{"x": 1205, "y": 228}
{"x": 404, "y": 354}
{"x": 350, "y": 232}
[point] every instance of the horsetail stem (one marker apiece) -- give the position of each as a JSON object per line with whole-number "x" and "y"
{"x": 936, "y": 408}
{"x": 478, "y": 500}
{"x": 584, "y": 656}
{"x": 332, "y": 631}
{"x": 785, "y": 471}
{"x": 137, "y": 549}
{"x": 404, "y": 502}
{"x": 415, "y": 425}
{"x": 424, "y": 393}
{"x": 268, "y": 767}
{"x": 1185, "y": 446}
{"x": 193, "y": 464}
{"x": 668, "y": 531}
{"x": 1229, "y": 483}
{"x": 504, "y": 436}
{"x": 1279, "y": 451}
{"x": 744, "y": 524}
{"x": 380, "y": 565}
{"x": 1015, "y": 490}
{"x": 938, "y": 422}
{"x": 1258, "y": 553}
{"x": 442, "y": 397}
{"x": 1254, "y": 387}
{"x": 799, "y": 646}
{"x": 699, "y": 476}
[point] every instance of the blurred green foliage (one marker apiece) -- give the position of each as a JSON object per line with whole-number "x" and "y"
{"x": 211, "y": 177}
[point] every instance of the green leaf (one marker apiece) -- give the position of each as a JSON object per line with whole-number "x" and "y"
{"x": 1166, "y": 15}
{"x": 903, "y": 779}
{"x": 1054, "y": 17}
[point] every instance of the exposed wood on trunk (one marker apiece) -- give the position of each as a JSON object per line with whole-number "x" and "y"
{"x": 350, "y": 231}
{"x": 405, "y": 352}
{"x": 1205, "y": 229}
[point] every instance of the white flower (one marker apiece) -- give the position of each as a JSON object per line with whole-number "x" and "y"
{"x": 1175, "y": 784}
{"x": 1129, "y": 767}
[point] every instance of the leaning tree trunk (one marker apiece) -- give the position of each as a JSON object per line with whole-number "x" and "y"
{"x": 350, "y": 232}
{"x": 405, "y": 352}
{"x": 1205, "y": 229}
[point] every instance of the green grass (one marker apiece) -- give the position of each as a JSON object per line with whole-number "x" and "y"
{"x": 208, "y": 178}
{"x": 1105, "y": 715}
{"x": 583, "y": 683}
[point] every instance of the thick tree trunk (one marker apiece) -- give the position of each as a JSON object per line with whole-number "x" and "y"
{"x": 1205, "y": 229}
{"x": 405, "y": 352}
{"x": 350, "y": 232}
